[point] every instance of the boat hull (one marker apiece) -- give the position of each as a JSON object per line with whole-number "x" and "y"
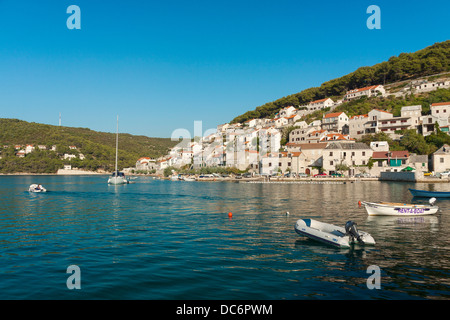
{"x": 378, "y": 209}
{"x": 117, "y": 180}
{"x": 35, "y": 188}
{"x": 429, "y": 194}
{"x": 328, "y": 233}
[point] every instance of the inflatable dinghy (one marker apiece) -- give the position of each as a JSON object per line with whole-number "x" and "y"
{"x": 333, "y": 235}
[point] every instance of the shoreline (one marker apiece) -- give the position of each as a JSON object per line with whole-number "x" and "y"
{"x": 337, "y": 180}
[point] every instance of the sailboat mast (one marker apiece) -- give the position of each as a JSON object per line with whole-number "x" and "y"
{"x": 117, "y": 142}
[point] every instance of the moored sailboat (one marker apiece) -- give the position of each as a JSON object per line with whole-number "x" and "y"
{"x": 117, "y": 177}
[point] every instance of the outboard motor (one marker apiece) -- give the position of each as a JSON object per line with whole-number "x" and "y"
{"x": 352, "y": 231}
{"x": 432, "y": 201}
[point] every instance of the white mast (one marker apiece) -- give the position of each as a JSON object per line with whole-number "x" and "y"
{"x": 117, "y": 142}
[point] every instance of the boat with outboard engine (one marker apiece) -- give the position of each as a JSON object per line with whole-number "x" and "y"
{"x": 333, "y": 235}
{"x": 36, "y": 188}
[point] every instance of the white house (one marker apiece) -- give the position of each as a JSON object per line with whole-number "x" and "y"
{"x": 356, "y": 125}
{"x": 334, "y": 121}
{"x": 320, "y": 104}
{"x": 287, "y": 111}
{"x": 349, "y": 154}
{"x": 29, "y": 148}
{"x": 369, "y": 91}
{"x": 441, "y": 159}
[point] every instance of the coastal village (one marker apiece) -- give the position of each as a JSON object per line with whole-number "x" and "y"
{"x": 330, "y": 147}
{"x": 326, "y": 147}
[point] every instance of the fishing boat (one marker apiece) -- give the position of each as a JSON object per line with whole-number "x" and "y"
{"x": 400, "y": 209}
{"x": 333, "y": 235}
{"x": 429, "y": 194}
{"x": 117, "y": 177}
{"x": 36, "y": 188}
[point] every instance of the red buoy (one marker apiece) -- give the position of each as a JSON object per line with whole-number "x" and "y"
{"x": 230, "y": 214}
{"x": 359, "y": 203}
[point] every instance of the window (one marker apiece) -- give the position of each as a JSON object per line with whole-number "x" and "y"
{"x": 353, "y": 153}
{"x": 289, "y": 164}
{"x": 270, "y": 164}
{"x": 364, "y": 153}
{"x": 331, "y": 154}
{"x": 331, "y": 163}
{"x": 441, "y": 160}
{"x": 279, "y": 164}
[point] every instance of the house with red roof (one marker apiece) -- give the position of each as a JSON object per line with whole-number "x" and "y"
{"x": 320, "y": 104}
{"x": 370, "y": 91}
{"x": 334, "y": 121}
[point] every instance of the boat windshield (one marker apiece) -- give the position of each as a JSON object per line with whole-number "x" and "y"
{"x": 118, "y": 174}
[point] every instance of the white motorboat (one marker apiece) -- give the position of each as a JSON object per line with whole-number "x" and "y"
{"x": 400, "y": 209}
{"x": 36, "y": 188}
{"x": 117, "y": 177}
{"x": 188, "y": 179}
{"x": 333, "y": 235}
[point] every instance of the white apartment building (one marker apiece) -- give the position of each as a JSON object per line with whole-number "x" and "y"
{"x": 366, "y": 91}
{"x": 320, "y": 104}
{"x": 349, "y": 154}
{"x": 334, "y": 121}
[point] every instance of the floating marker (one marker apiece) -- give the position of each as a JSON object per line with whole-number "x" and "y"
{"x": 230, "y": 214}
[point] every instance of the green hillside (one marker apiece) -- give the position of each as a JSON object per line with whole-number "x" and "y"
{"x": 429, "y": 61}
{"x": 97, "y": 147}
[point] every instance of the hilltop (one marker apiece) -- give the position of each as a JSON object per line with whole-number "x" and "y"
{"x": 429, "y": 61}
{"x": 97, "y": 148}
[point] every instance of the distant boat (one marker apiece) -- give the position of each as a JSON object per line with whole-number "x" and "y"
{"x": 36, "y": 188}
{"x": 117, "y": 177}
{"x": 429, "y": 194}
{"x": 400, "y": 209}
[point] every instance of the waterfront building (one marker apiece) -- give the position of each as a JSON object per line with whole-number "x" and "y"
{"x": 441, "y": 159}
{"x": 348, "y": 154}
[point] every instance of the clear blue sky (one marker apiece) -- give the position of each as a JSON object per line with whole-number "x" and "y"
{"x": 161, "y": 65}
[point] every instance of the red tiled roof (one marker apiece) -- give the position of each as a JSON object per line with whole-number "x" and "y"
{"x": 332, "y": 115}
{"x": 440, "y": 104}
{"x": 390, "y": 154}
{"x": 362, "y": 89}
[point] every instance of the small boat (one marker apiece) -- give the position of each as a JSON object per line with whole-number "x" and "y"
{"x": 36, "y": 188}
{"x": 429, "y": 194}
{"x": 174, "y": 177}
{"x": 188, "y": 179}
{"x": 117, "y": 177}
{"x": 331, "y": 234}
{"x": 400, "y": 209}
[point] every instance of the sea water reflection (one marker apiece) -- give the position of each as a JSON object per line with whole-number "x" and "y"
{"x": 174, "y": 240}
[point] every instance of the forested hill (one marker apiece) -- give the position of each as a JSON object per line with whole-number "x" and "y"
{"x": 97, "y": 147}
{"x": 431, "y": 60}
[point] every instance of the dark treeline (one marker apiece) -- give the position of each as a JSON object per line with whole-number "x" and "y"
{"x": 98, "y": 148}
{"x": 429, "y": 61}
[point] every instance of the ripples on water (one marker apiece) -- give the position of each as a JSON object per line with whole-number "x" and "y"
{"x": 174, "y": 240}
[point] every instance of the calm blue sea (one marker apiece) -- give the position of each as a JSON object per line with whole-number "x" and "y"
{"x": 172, "y": 240}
